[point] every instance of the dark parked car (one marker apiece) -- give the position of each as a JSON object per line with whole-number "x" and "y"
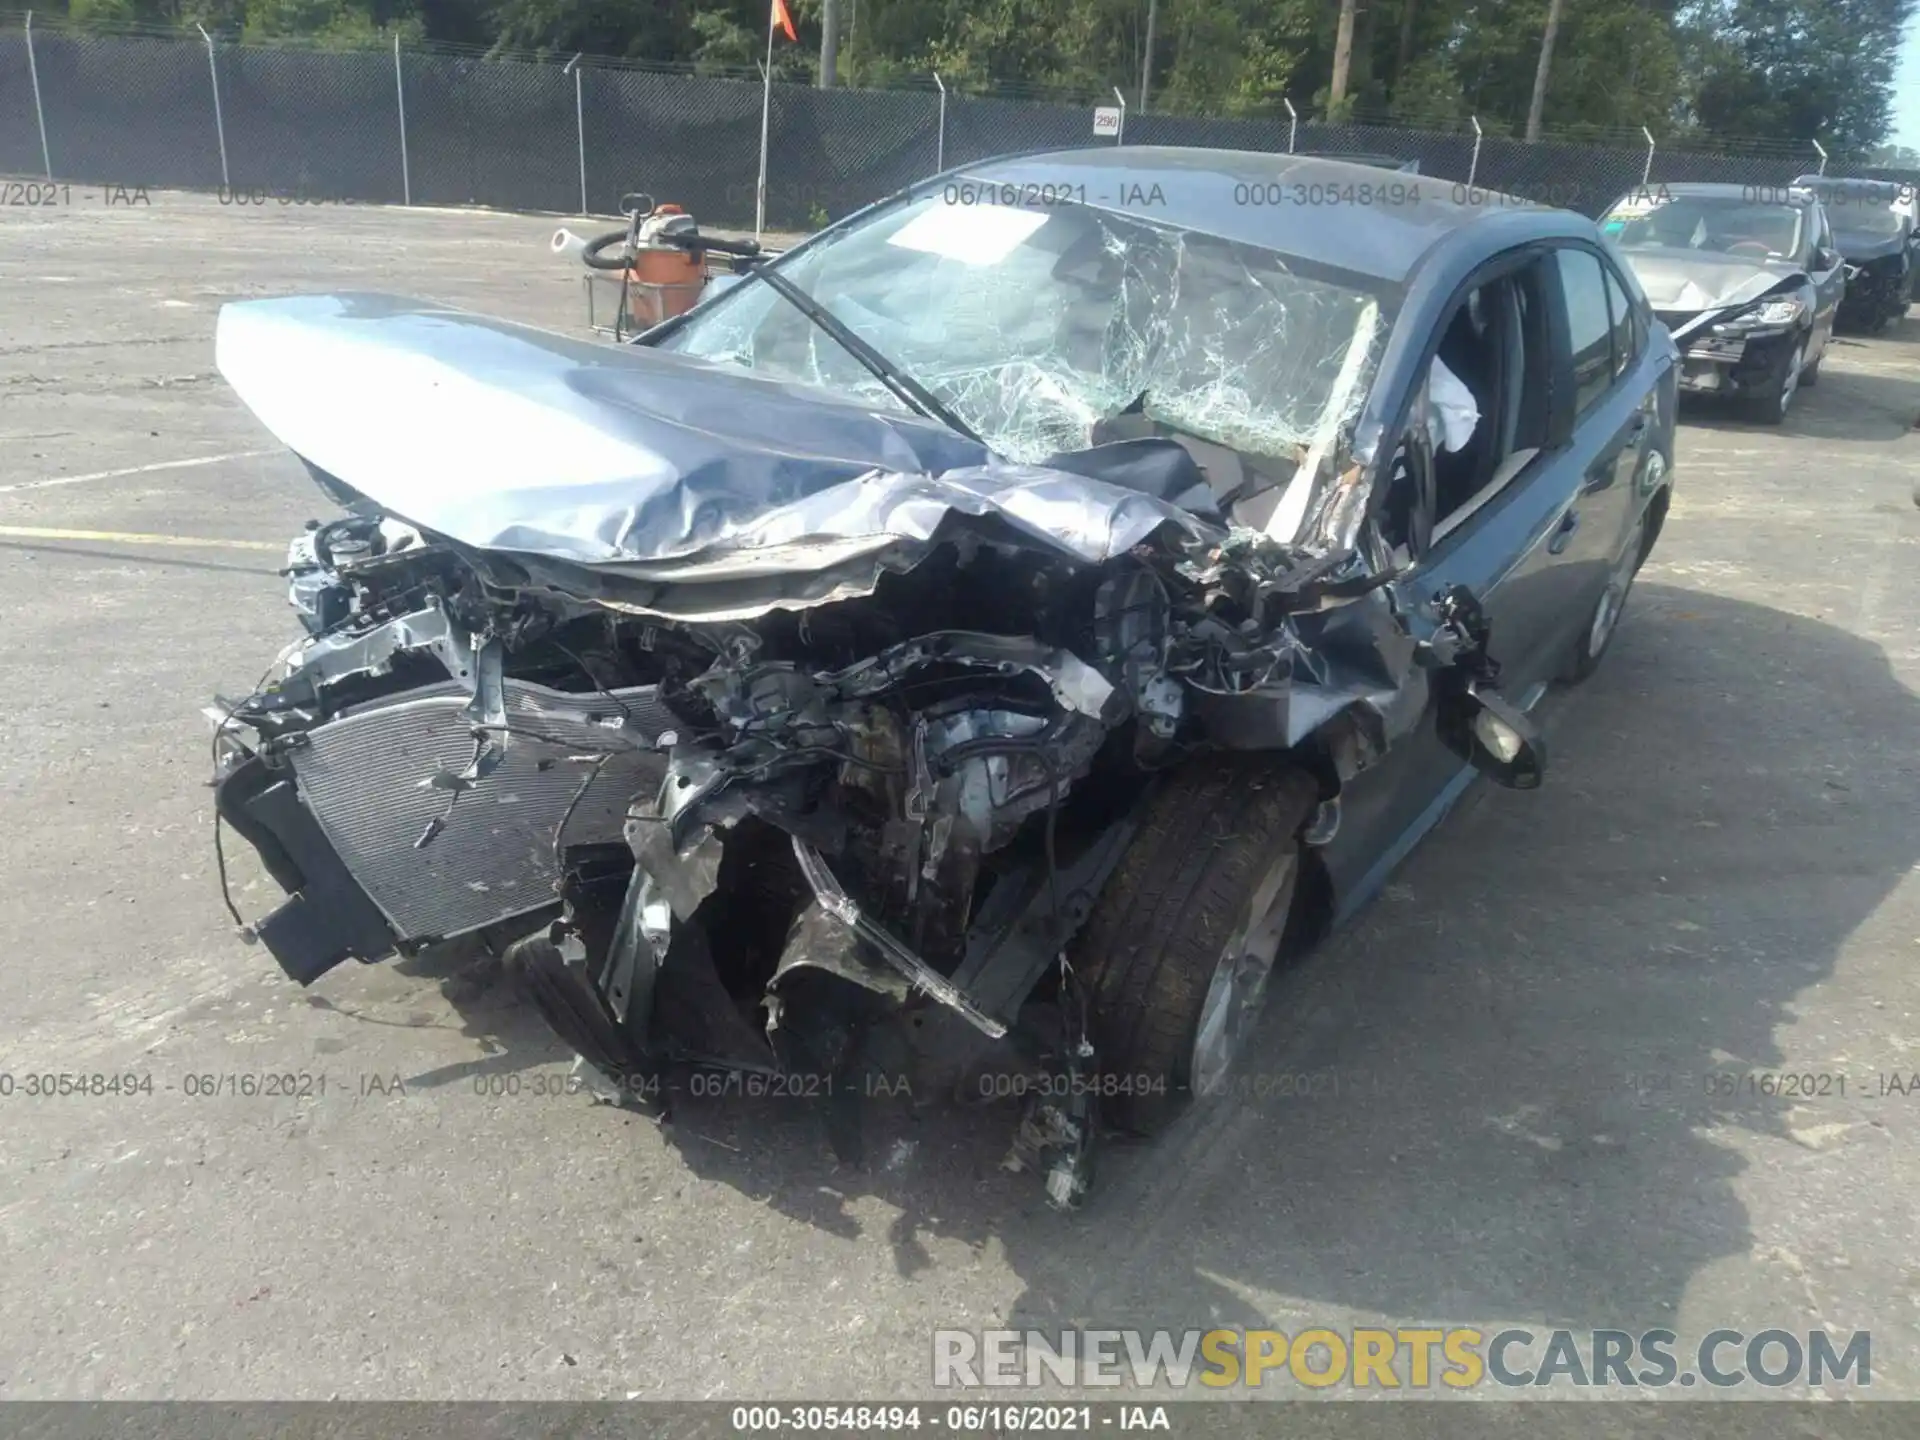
{"x": 1745, "y": 277}
{"x": 974, "y": 645}
{"x": 1874, "y": 230}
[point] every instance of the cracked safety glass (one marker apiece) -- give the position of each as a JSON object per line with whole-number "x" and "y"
{"x": 1041, "y": 326}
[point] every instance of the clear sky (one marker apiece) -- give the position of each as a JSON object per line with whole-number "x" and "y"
{"x": 1906, "y": 91}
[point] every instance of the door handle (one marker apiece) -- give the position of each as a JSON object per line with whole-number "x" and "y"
{"x": 1563, "y": 532}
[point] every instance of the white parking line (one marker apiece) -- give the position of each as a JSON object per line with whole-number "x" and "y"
{"x": 135, "y": 470}
{"x": 125, "y": 537}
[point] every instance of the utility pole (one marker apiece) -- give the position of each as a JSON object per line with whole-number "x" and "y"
{"x": 1540, "y": 75}
{"x": 1146, "y": 60}
{"x": 1343, "y": 55}
{"x": 829, "y": 43}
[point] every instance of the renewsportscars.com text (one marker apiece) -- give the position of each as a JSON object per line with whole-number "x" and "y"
{"x": 1363, "y": 1358}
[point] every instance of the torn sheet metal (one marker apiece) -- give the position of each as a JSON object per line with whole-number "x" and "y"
{"x": 835, "y": 901}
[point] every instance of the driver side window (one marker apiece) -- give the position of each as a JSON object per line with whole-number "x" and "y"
{"x": 1482, "y": 411}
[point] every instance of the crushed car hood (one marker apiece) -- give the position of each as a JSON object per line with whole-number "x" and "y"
{"x": 1686, "y": 281}
{"x": 635, "y": 464}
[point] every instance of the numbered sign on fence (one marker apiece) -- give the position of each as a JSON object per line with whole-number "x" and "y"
{"x": 1106, "y": 120}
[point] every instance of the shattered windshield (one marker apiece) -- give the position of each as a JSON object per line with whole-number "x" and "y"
{"x": 1036, "y": 325}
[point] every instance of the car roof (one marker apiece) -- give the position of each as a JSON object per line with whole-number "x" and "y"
{"x": 1334, "y": 213}
{"x": 1854, "y": 185}
{"x": 1794, "y": 194}
{"x": 1364, "y": 157}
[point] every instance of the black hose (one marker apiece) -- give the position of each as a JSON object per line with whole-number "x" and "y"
{"x": 594, "y": 257}
{"x": 747, "y": 248}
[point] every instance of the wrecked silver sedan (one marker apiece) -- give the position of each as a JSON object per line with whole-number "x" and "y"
{"x": 980, "y": 641}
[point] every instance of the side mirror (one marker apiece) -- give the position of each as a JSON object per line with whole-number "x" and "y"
{"x": 1498, "y": 739}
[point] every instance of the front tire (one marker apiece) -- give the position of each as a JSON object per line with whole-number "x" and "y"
{"x": 1770, "y": 403}
{"x": 1183, "y": 938}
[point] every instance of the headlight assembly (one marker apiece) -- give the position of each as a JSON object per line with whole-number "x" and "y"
{"x": 1787, "y": 310}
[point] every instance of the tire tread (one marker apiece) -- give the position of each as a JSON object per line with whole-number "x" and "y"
{"x": 1151, "y": 945}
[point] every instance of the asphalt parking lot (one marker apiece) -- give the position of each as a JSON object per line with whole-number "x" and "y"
{"x": 1519, "y": 1115}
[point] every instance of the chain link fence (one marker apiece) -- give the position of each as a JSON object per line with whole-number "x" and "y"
{"x": 431, "y": 126}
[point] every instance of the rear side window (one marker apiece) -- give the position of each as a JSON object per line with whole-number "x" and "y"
{"x": 1626, "y": 346}
{"x": 1589, "y": 325}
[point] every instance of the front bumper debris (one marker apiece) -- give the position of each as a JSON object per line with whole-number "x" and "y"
{"x": 1735, "y": 364}
{"x": 1877, "y": 290}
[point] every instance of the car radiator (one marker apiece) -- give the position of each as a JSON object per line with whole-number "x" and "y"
{"x": 367, "y": 777}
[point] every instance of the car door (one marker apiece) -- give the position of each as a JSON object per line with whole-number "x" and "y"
{"x": 1615, "y": 421}
{"x": 1829, "y": 275}
{"x": 1509, "y": 544}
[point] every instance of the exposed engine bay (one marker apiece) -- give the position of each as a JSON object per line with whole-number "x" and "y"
{"x": 825, "y": 829}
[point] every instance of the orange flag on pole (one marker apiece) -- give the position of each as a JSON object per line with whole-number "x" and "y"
{"x": 779, "y": 20}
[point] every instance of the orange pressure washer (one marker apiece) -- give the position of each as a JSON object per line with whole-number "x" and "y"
{"x": 661, "y": 261}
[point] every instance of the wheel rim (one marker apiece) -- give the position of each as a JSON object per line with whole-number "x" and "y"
{"x": 1613, "y": 600}
{"x": 1621, "y": 580}
{"x": 1239, "y": 983}
{"x": 1792, "y": 382}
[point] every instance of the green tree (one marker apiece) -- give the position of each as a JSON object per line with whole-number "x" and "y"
{"x": 1785, "y": 69}
{"x": 1239, "y": 57}
{"x": 1612, "y": 68}
{"x": 1795, "y": 69}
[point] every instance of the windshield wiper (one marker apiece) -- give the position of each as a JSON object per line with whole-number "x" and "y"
{"x": 910, "y": 391}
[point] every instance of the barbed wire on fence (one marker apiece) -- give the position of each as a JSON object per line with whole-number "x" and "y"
{"x": 439, "y": 124}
